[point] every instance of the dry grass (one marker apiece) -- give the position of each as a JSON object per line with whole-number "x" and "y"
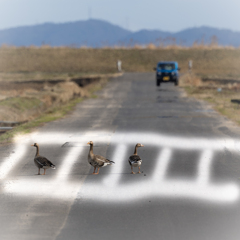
{"x": 44, "y": 93}
{"x": 207, "y": 62}
{"x": 218, "y": 93}
{"x": 35, "y": 112}
{"x": 24, "y": 102}
{"x": 190, "y": 79}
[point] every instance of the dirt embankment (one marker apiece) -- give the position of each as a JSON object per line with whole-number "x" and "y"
{"x": 22, "y": 101}
{"x": 193, "y": 81}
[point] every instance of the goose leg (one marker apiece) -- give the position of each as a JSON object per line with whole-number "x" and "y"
{"x": 139, "y": 170}
{"x": 44, "y": 171}
{"x": 94, "y": 170}
{"x": 132, "y": 170}
{"x": 39, "y": 171}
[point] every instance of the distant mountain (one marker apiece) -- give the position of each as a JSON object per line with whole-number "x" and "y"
{"x": 224, "y": 37}
{"x": 93, "y": 33}
{"x": 146, "y": 37}
{"x": 98, "y": 33}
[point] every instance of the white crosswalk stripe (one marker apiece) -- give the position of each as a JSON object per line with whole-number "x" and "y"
{"x": 112, "y": 188}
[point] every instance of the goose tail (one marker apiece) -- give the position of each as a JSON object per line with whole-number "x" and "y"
{"x": 111, "y": 161}
{"x": 53, "y": 166}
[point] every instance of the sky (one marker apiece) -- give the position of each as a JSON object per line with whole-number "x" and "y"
{"x": 166, "y": 15}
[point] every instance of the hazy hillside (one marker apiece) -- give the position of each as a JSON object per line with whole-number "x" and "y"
{"x": 146, "y": 37}
{"x": 223, "y": 36}
{"x": 98, "y": 33}
{"x": 93, "y": 33}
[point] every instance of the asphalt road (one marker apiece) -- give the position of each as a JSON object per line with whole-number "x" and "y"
{"x": 188, "y": 189}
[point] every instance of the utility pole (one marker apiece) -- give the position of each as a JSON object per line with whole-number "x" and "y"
{"x": 190, "y": 65}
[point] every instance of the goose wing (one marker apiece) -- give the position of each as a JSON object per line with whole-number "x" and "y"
{"x": 134, "y": 159}
{"x": 101, "y": 161}
{"x": 43, "y": 162}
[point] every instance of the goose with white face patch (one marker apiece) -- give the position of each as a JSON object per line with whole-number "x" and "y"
{"x": 134, "y": 160}
{"x": 97, "y": 161}
{"x": 42, "y": 162}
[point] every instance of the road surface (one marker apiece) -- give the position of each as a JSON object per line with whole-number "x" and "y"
{"x": 188, "y": 189}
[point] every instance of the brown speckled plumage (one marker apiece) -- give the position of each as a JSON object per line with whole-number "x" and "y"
{"x": 97, "y": 161}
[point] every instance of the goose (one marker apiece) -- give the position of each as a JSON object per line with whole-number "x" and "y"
{"x": 97, "y": 161}
{"x": 134, "y": 160}
{"x": 42, "y": 162}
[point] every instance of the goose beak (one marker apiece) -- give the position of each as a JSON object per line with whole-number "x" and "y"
{"x": 142, "y": 145}
{"x": 32, "y": 145}
{"x": 88, "y": 143}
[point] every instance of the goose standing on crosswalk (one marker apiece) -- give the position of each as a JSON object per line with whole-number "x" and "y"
{"x": 134, "y": 160}
{"x": 97, "y": 161}
{"x": 42, "y": 162}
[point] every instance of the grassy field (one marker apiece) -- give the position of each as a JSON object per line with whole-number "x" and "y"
{"x": 67, "y": 62}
